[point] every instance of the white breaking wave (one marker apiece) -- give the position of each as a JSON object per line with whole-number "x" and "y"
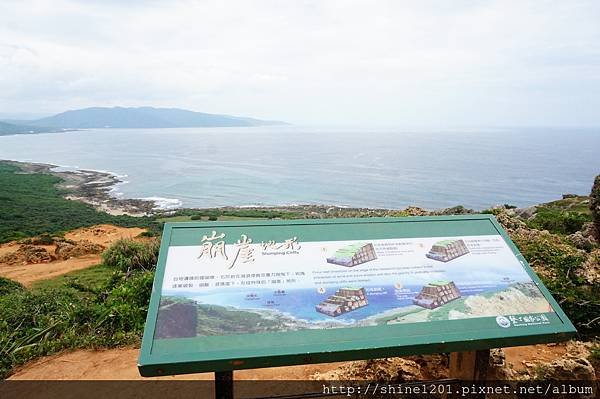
{"x": 164, "y": 203}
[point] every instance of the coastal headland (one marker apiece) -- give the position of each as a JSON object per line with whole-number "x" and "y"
{"x": 91, "y": 187}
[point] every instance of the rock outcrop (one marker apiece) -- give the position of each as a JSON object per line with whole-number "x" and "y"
{"x": 595, "y": 207}
{"x": 69, "y": 249}
{"x": 590, "y": 270}
{"x": 27, "y": 254}
{"x": 568, "y": 369}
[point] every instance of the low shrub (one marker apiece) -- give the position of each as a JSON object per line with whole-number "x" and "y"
{"x": 147, "y": 233}
{"x": 42, "y": 239}
{"x": 120, "y": 316}
{"x": 557, "y": 221}
{"x": 9, "y": 286}
{"x": 199, "y": 214}
{"x": 126, "y": 255}
{"x": 557, "y": 264}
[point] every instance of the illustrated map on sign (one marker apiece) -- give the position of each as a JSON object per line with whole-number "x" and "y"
{"x": 225, "y": 285}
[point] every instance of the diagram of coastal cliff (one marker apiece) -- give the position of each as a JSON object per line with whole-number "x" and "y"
{"x": 436, "y": 294}
{"x": 446, "y": 250}
{"x": 343, "y": 301}
{"x": 353, "y": 255}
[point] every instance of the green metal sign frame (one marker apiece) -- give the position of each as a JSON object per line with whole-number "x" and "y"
{"x": 257, "y": 350}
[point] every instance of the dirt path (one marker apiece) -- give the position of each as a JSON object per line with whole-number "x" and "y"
{"x": 28, "y": 273}
{"x": 121, "y": 364}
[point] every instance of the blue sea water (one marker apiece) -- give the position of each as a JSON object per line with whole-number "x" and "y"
{"x": 385, "y": 168}
{"x": 300, "y": 303}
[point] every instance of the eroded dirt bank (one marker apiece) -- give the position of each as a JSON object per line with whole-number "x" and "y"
{"x": 28, "y": 261}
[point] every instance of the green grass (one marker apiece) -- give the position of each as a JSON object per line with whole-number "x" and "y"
{"x": 184, "y": 215}
{"x": 40, "y": 322}
{"x": 31, "y": 204}
{"x": 8, "y": 286}
{"x": 175, "y": 219}
{"x": 93, "y": 277}
{"x": 578, "y": 204}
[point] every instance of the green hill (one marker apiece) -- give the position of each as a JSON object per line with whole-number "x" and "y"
{"x": 143, "y": 117}
{"x": 10, "y": 128}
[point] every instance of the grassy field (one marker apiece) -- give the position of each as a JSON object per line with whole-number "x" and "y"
{"x": 93, "y": 278}
{"x": 202, "y": 215}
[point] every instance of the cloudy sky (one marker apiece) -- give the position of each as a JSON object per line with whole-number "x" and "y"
{"x": 430, "y": 63}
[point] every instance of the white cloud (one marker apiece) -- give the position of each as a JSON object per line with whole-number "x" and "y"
{"x": 348, "y": 62}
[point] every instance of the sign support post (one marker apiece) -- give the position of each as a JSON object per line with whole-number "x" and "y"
{"x": 224, "y": 385}
{"x": 470, "y": 366}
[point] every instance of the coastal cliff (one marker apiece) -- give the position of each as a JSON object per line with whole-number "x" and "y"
{"x": 105, "y": 305}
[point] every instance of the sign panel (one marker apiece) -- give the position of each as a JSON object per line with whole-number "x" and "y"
{"x": 234, "y": 295}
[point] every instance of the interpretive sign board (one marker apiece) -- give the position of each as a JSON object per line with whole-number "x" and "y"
{"x": 236, "y": 295}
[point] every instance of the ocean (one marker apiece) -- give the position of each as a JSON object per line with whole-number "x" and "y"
{"x": 377, "y": 168}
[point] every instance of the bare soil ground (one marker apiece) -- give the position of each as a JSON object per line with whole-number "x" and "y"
{"x": 27, "y": 273}
{"x": 30, "y": 273}
{"x": 121, "y": 364}
{"x": 103, "y": 234}
{"x": 522, "y": 356}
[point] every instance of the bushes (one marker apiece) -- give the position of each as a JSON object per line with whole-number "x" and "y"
{"x": 559, "y": 266}
{"x": 232, "y": 213}
{"x": 39, "y": 323}
{"x": 127, "y": 255}
{"x": 123, "y": 311}
{"x": 42, "y": 239}
{"x": 558, "y": 222}
{"x": 8, "y": 286}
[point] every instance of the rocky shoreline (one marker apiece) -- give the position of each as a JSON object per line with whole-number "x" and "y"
{"x": 94, "y": 188}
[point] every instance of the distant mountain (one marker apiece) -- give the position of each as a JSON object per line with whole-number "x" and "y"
{"x": 143, "y": 117}
{"x": 11, "y": 128}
